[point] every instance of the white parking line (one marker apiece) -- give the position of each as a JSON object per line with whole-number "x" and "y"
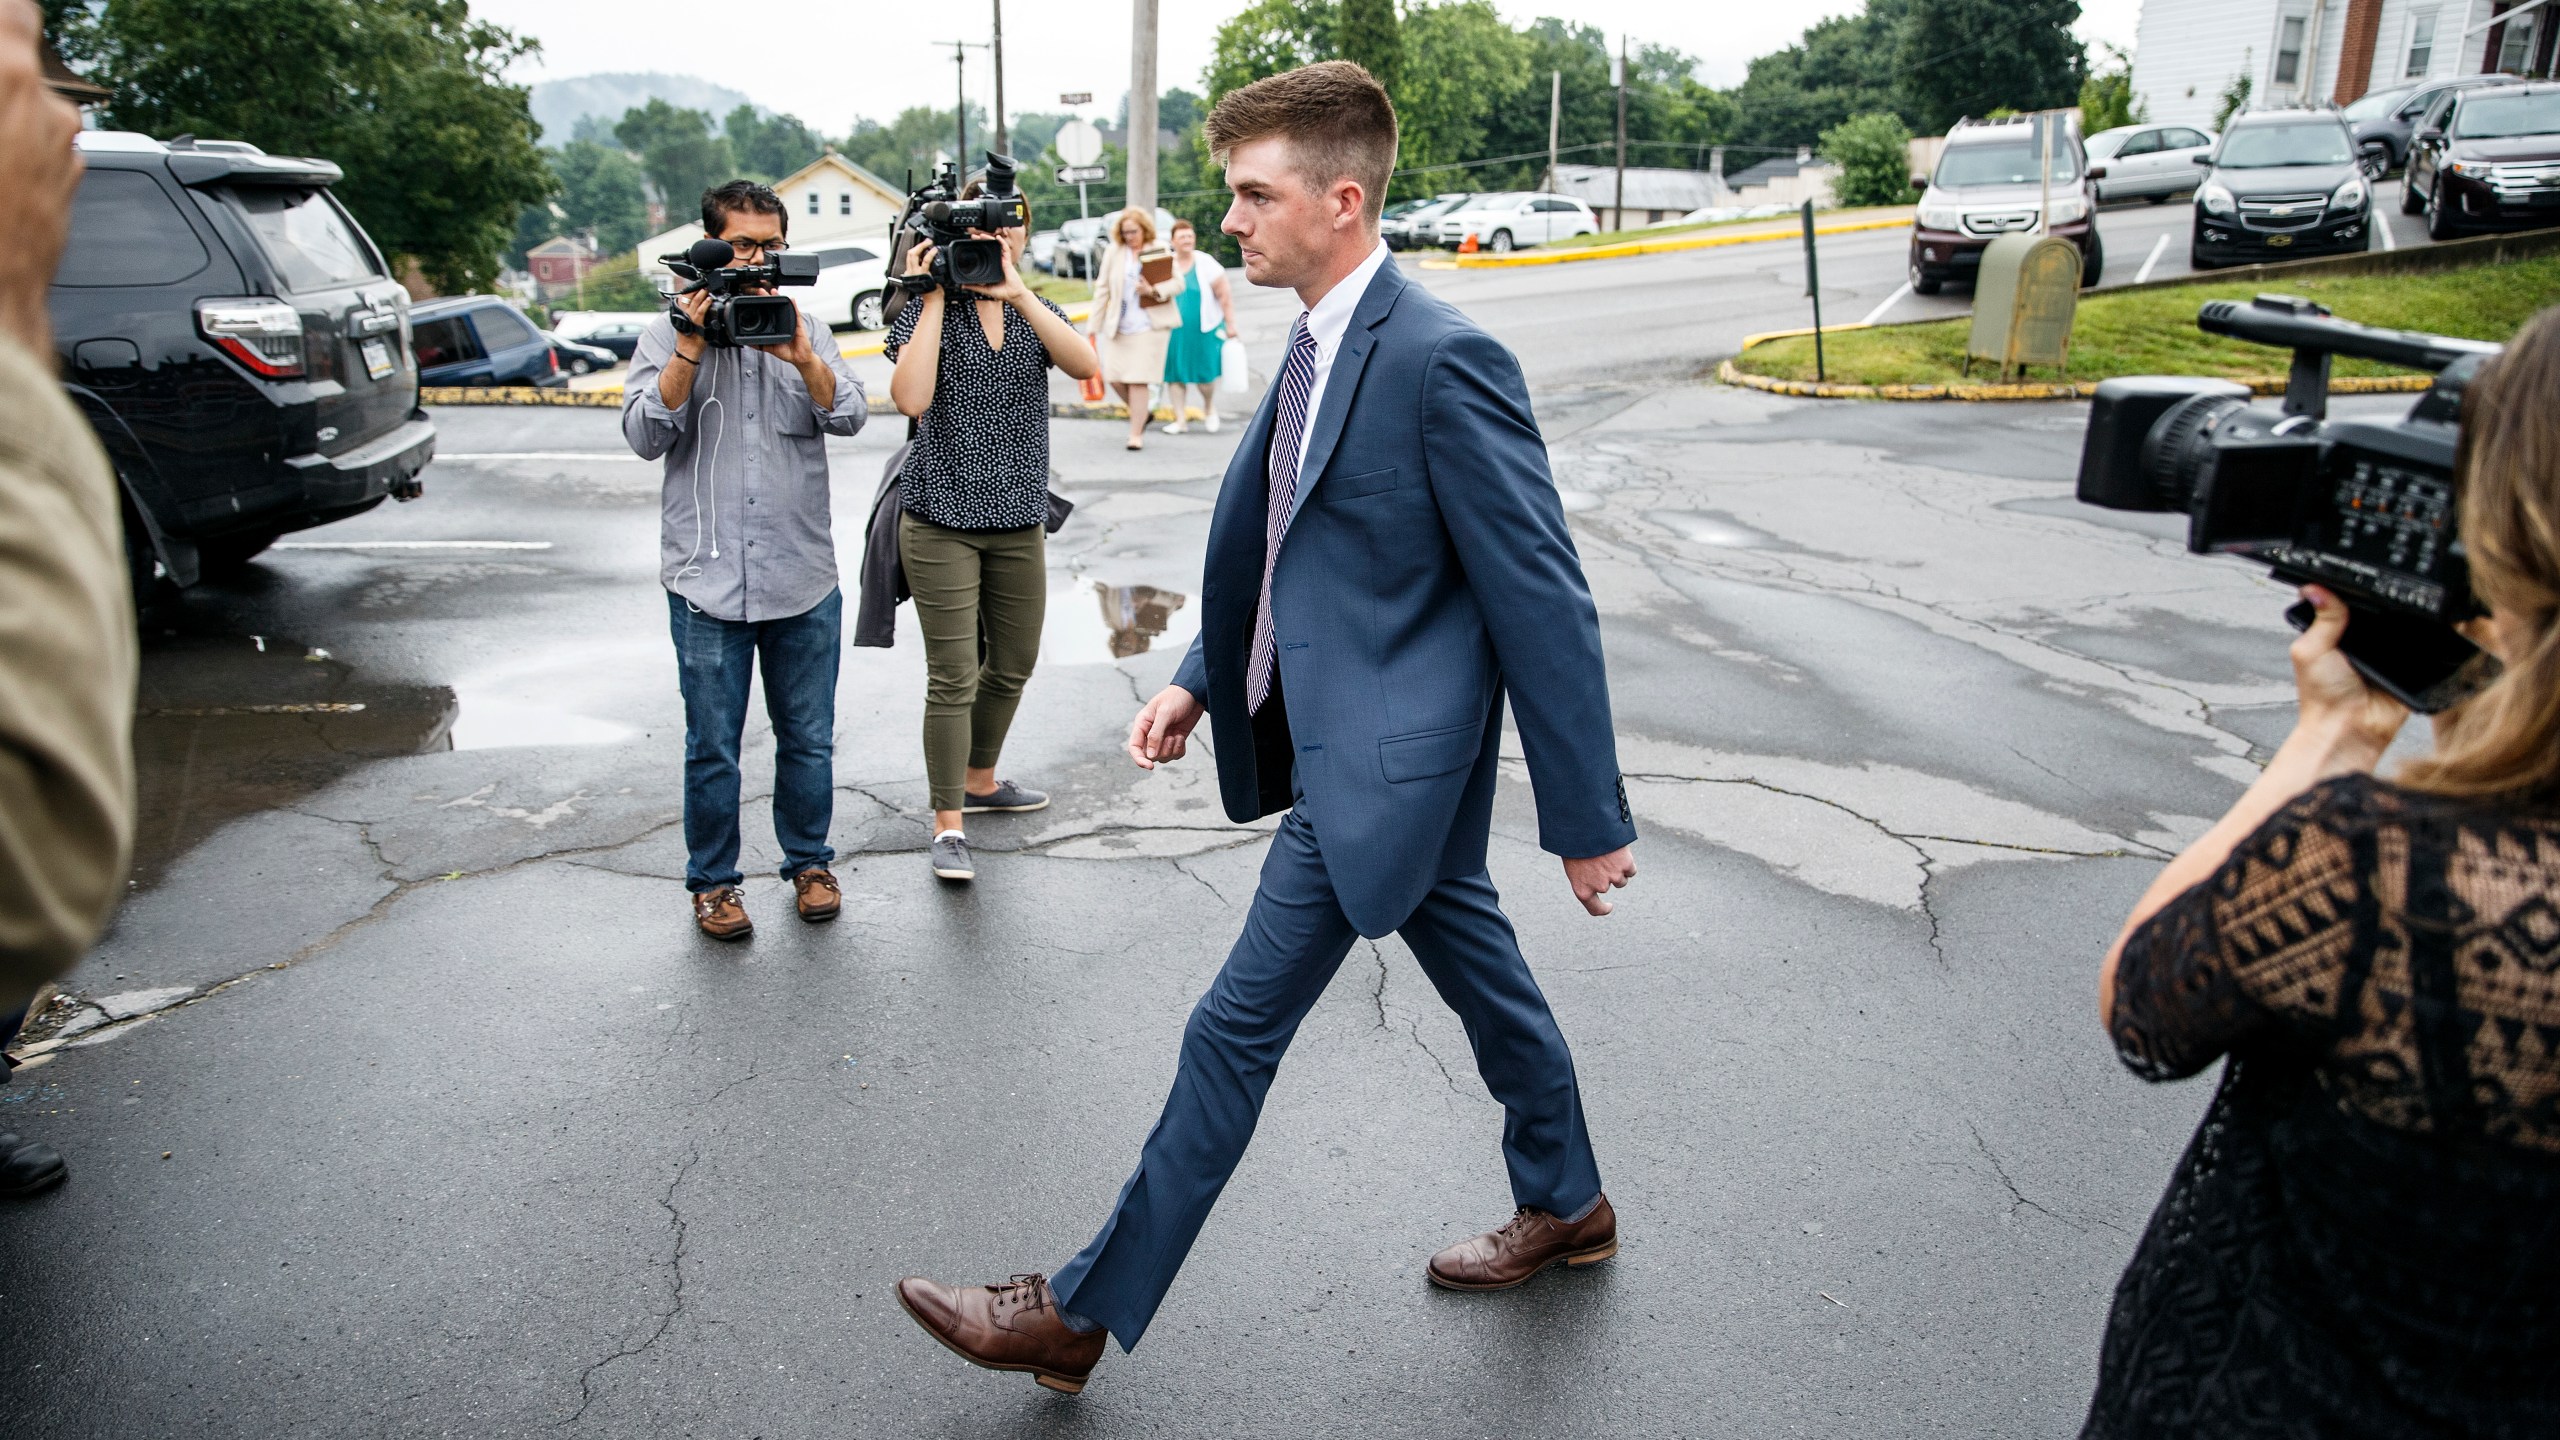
{"x": 1889, "y": 302}
{"x": 413, "y": 545}
{"x": 2159, "y": 248}
{"x": 2382, "y": 222}
{"x": 540, "y": 455}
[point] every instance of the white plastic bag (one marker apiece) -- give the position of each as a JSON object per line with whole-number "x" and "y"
{"x": 1231, "y": 367}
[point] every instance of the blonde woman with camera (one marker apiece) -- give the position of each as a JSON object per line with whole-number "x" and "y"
{"x": 2363, "y": 1239}
{"x": 1132, "y": 317}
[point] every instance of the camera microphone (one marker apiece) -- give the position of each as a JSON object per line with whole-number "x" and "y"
{"x": 710, "y": 253}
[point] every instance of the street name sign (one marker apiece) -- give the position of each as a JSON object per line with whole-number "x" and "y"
{"x": 1082, "y": 174}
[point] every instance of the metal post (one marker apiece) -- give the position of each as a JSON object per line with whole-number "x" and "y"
{"x": 1619, "y": 221}
{"x": 960, "y": 106}
{"x": 1555, "y": 115}
{"x": 1000, "y": 146}
{"x": 2044, "y": 176}
{"x": 1142, "y": 105}
{"x": 1813, "y": 287}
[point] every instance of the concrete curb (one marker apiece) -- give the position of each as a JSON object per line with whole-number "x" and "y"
{"x": 2035, "y": 390}
{"x": 1630, "y": 248}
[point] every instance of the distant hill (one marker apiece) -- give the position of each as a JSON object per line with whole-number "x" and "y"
{"x": 558, "y": 104}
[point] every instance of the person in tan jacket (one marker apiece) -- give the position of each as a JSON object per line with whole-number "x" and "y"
{"x": 1132, "y": 320}
{"x": 67, "y": 641}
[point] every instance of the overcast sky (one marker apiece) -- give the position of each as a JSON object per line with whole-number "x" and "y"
{"x": 828, "y": 61}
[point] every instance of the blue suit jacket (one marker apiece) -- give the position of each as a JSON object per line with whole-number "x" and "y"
{"x": 1427, "y": 573}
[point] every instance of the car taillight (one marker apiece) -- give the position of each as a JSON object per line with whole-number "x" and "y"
{"x": 265, "y": 335}
{"x": 551, "y": 358}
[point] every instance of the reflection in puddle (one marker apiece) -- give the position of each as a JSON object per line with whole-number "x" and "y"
{"x": 1710, "y": 530}
{"x": 1135, "y": 619}
{"x": 229, "y": 725}
{"x": 517, "y": 702}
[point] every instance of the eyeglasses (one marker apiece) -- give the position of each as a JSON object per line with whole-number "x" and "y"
{"x": 759, "y": 247}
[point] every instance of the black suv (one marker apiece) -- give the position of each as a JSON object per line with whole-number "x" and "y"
{"x": 239, "y": 345}
{"x": 2491, "y": 160}
{"x": 2283, "y": 184}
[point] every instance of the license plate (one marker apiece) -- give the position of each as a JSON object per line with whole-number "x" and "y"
{"x": 2279, "y": 239}
{"x": 377, "y": 359}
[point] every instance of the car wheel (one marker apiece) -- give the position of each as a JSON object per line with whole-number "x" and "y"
{"x": 2441, "y": 224}
{"x": 2093, "y": 264}
{"x": 1501, "y": 242}
{"x": 2375, "y": 160}
{"x": 2411, "y": 202}
{"x": 866, "y": 310}
{"x": 580, "y": 366}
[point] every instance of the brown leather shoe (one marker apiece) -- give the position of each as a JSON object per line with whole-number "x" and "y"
{"x": 1013, "y": 1326}
{"x": 819, "y": 896}
{"x": 722, "y": 913}
{"x": 1532, "y": 1241}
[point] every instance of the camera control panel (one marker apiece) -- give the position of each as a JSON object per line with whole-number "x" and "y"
{"x": 2388, "y": 528}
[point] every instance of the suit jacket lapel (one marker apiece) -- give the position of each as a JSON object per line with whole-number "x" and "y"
{"x": 1344, "y": 380}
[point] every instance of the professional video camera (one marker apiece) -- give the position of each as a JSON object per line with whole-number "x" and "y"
{"x": 937, "y": 213}
{"x": 738, "y": 314}
{"x": 2363, "y": 507}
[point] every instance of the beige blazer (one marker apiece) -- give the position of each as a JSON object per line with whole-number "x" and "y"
{"x": 1104, "y": 321}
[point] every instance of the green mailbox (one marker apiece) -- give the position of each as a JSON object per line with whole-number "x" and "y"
{"x": 2023, "y": 302}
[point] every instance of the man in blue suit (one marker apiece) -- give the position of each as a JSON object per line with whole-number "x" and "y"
{"x": 1388, "y": 562}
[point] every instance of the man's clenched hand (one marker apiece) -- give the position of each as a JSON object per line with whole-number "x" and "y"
{"x": 1163, "y": 729}
{"x": 1593, "y": 879}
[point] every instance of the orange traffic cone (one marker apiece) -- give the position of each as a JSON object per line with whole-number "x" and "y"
{"x": 1468, "y": 245}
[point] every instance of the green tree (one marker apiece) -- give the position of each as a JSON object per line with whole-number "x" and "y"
{"x": 2235, "y": 98}
{"x": 601, "y": 191}
{"x": 1873, "y": 152}
{"x": 1461, "y": 63}
{"x": 1268, "y": 37}
{"x": 1963, "y": 57}
{"x": 2106, "y": 97}
{"x": 768, "y": 147}
{"x": 405, "y": 95}
{"x": 679, "y": 151}
{"x": 1365, "y": 33}
{"x": 910, "y": 142}
{"x": 1841, "y": 67}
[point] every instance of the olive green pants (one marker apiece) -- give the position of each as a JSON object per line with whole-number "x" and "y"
{"x": 980, "y": 598}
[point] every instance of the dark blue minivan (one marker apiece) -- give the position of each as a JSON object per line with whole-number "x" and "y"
{"x": 481, "y": 340}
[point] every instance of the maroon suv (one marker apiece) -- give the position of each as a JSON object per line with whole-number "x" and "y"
{"x": 2493, "y": 161}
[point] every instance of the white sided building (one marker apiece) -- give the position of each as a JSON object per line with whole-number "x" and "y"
{"x": 830, "y": 198}
{"x": 2326, "y": 52}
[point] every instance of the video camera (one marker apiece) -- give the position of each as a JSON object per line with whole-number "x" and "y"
{"x": 2363, "y": 507}
{"x": 936, "y": 213}
{"x": 739, "y": 315}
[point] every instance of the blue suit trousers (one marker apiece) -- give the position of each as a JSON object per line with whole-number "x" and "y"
{"x": 1294, "y": 939}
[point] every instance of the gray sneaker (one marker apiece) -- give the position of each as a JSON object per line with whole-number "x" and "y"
{"x": 950, "y": 856}
{"x": 1006, "y": 799}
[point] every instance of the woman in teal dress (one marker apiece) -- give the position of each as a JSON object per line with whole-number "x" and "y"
{"x": 1191, "y": 352}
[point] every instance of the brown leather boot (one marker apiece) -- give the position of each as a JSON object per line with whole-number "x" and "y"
{"x": 1013, "y": 1326}
{"x": 722, "y": 913}
{"x": 818, "y": 895}
{"x": 1532, "y": 1241}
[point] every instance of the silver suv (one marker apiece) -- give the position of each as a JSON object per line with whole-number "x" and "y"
{"x": 1986, "y": 186}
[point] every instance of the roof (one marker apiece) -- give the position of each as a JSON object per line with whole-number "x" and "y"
{"x": 833, "y": 161}
{"x": 1782, "y": 167}
{"x": 1648, "y": 187}
{"x": 63, "y": 80}
{"x": 563, "y": 245}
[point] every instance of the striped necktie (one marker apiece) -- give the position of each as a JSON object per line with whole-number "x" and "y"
{"x": 1288, "y": 433}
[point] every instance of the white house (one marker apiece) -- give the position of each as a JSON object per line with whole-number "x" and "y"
{"x": 830, "y": 198}
{"x": 2325, "y": 52}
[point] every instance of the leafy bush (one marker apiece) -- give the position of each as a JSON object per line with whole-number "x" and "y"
{"x": 1873, "y": 152}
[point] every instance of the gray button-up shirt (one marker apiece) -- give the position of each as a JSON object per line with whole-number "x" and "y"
{"x": 745, "y": 531}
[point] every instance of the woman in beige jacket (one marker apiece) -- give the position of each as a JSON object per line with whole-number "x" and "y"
{"x": 1131, "y": 320}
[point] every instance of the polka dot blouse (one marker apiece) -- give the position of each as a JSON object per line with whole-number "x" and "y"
{"x": 981, "y": 455}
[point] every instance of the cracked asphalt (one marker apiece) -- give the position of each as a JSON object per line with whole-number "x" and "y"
{"x": 403, "y": 1100}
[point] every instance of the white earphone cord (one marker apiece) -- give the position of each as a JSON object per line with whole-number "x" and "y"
{"x": 710, "y": 403}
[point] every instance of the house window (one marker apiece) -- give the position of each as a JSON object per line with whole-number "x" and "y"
{"x": 2289, "y": 51}
{"x": 2422, "y": 43}
{"x": 844, "y": 202}
{"x": 2515, "y": 50}
{"x": 813, "y": 202}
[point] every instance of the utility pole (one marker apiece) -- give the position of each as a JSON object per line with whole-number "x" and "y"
{"x": 960, "y": 106}
{"x": 1555, "y": 112}
{"x": 1619, "y": 221}
{"x": 1000, "y": 146}
{"x": 1142, "y": 105}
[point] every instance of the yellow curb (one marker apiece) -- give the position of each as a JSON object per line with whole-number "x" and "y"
{"x": 1628, "y": 248}
{"x": 859, "y": 352}
{"x": 2033, "y": 390}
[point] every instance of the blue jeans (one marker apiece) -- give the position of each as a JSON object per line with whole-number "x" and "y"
{"x": 714, "y": 660}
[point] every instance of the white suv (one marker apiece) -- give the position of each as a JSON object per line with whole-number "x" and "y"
{"x": 851, "y": 278}
{"x": 1505, "y": 222}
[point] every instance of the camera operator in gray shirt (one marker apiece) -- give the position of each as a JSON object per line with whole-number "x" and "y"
{"x": 749, "y": 564}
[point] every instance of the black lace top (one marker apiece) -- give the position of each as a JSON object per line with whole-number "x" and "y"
{"x": 2363, "y": 1239}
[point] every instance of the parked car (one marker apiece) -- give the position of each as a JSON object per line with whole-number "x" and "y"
{"x": 2145, "y": 162}
{"x": 2493, "y": 161}
{"x": 617, "y": 331}
{"x": 579, "y": 358}
{"x": 1043, "y": 250}
{"x": 851, "y": 278}
{"x": 482, "y": 340}
{"x": 1409, "y": 225}
{"x": 1986, "y": 185}
{"x": 239, "y": 345}
{"x": 1512, "y": 219}
{"x": 2282, "y": 184}
{"x": 2383, "y": 131}
{"x": 1080, "y": 247}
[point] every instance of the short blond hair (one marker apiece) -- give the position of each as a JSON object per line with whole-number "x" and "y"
{"x": 1337, "y": 118}
{"x": 1146, "y": 225}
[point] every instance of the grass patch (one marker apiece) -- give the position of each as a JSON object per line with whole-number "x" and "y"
{"x": 2153, "y": 332}
{"x": 1061, "y": 290}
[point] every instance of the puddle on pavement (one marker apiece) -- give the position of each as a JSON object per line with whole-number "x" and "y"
{"x": 1711, "y": 530}
{"x": 229, "y": 725}
{"x": 1134, "y": 620}
{"x": 516, "y": 701}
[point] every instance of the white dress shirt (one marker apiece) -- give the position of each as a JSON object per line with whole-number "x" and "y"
{"x": 1327, "y": 323}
